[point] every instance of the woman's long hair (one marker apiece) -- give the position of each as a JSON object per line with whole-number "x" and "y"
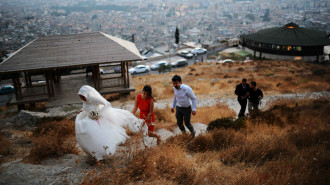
{"x": 148, "y": 89}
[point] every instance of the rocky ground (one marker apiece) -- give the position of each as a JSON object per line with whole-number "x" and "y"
{"x": 70, "y": 168}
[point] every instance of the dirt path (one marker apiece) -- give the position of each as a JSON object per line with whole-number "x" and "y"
{"x": 212, "y": 100}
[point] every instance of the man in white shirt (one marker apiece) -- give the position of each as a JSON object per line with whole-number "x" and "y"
{"x": 181, "y": 102}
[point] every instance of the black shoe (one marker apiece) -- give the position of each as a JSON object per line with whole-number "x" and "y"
{"x": 193, "y": 134}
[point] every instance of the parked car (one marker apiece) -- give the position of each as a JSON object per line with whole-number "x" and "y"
{"x": 198, "y": 51}
{"x": 185, "y": 54}
{"x": 225, "y": 61}
{"x": 179, "y": 63}
{"x": 139, "y": 69}
{"x": 6, "y": 89}
{"x": 158, "y": 64}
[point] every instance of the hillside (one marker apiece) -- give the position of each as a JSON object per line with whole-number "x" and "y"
{"x": 287, "y": 143}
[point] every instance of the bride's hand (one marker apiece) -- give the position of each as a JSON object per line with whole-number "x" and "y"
{"x": 148, "y": 117}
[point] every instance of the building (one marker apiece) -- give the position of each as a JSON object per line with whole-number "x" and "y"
{"x": 288, "y": 42}
{"x": 52, "y": 69}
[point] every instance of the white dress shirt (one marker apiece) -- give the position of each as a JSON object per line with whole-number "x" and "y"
{"x": 182, "y": 96}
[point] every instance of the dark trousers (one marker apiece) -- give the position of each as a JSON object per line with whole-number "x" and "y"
{"x": 243, "y": 103}
{"x": 184, "y": 113}
{"x": 253, "y": 107}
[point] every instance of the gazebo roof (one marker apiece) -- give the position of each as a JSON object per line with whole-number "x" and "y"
{"x": 70, "y": 50}
{"x": 290, "y": 34}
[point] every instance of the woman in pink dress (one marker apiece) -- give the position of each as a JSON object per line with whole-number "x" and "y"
{"x": 145, "y": 102}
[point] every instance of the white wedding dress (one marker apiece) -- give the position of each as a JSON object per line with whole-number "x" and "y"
{"x": 100, "y": 137}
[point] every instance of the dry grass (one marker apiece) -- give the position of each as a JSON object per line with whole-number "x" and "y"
{"x": 273, "y": 77}
{"x": 166, "y": 119}
{"x": 293, "y": 152}
{"x": 207, "y": 114}
{"x": 5, "y": 147}
{"x": 53, "y": 139}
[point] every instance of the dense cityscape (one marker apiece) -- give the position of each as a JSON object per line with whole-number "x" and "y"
{"x": 152, "y": 23}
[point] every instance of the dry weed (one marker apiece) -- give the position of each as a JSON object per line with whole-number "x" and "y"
{"x": 5, "y": 147}
{"x": 53, "y": 139}
{"x": 295, "y": 152}
{"x": 271, "y": 76}
{"x": 207, "y": 114}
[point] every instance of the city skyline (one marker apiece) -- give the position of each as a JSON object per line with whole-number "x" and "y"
{"x": 153, "y": 23}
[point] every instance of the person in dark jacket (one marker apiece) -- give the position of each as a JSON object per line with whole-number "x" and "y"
{"x": 255, "y": 95}
{"x": 242, "y": 92}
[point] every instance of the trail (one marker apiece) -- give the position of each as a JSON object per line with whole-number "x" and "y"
{"x": 232, "y": 102}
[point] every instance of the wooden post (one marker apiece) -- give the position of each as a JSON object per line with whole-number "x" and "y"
{"x": 98, "y": 77}
{"x": 127, "y": 73}
{"x": 26, "y": 79}
{"x": 48, "y": 84}
{"x": 51, "y": 83}
{"x": 122, "y": 69}
{"x": 57, "y": 76}
{"x": 15, "y": 87}
{"x": 94, "y": 74}
{"x": 29, "y": 79}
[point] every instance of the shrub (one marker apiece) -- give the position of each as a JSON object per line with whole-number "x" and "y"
{"x": 283, "y": 114}
{"x": 307, "y": 138}
{"x": 227, "y": 123}
{"x": 53, "y": 139}
{"x": 319, "y": 72}
{"x": 259, "y": 154}
{"x": 216, "y": 140}
{"x": 163, "y": 68}
{"x": 5, "y": 146}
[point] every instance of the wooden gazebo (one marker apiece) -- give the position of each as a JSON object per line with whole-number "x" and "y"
{"x": 52, "y": 69}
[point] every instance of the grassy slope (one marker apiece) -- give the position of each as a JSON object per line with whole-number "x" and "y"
{"x": 287, "y": 144}
{"x": 273, "y": 77}
{"x": 274, "y": 148}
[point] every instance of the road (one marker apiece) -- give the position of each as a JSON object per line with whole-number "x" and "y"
{"x": 191, "y": 61}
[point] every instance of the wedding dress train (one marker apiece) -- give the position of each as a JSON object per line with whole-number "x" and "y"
{"x": 100, "y": 128}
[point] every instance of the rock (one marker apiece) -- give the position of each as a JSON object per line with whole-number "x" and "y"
{"x": 215, "y": 80}
{"x": 63, "y": 170}
{"x": 164, "y": 134}
{"x": 200, "y": 128}
{"x": 67, "y": 111}
{"x": 28, "y": 119}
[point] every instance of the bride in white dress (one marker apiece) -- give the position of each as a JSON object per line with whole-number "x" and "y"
{"x": 100, "y": 128}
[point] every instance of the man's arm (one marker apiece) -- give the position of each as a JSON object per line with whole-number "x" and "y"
{"x": 236, "y": 90}
{"x": 174, "y": 103}
{"x": 261, "y": 94}
{"x": 193, "y": 98}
